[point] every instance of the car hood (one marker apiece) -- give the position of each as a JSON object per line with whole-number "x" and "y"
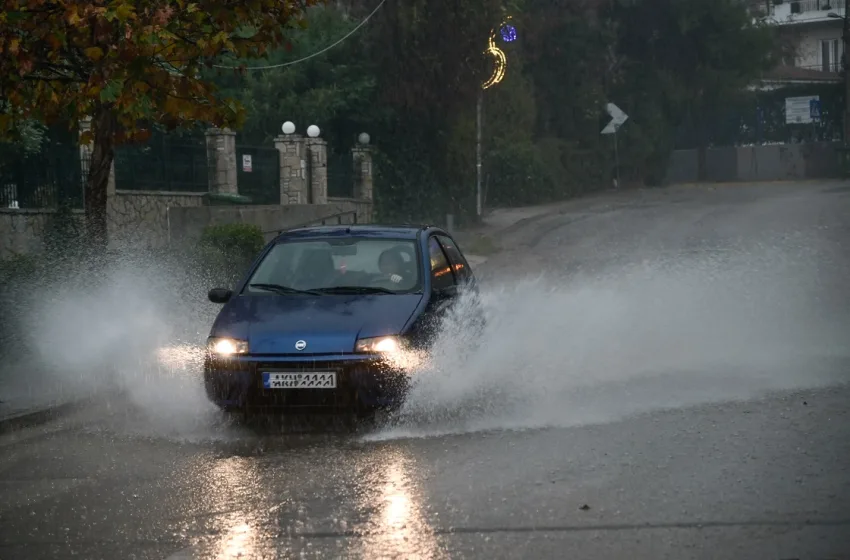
{"x": 329, "y": 324}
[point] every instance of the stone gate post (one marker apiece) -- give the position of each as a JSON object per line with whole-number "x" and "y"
{"x": 293, "y": 169}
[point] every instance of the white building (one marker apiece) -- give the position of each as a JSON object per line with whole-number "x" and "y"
{"x": 813, "y": 28}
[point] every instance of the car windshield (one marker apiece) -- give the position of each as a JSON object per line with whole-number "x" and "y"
{"x": 344, "y": 265}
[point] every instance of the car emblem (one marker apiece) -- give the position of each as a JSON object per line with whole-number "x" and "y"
{"x": 301, "y": 345}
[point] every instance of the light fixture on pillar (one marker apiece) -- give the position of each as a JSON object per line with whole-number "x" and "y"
{"x": 313, "y": 131}
{"x": 288, "y": 127}
{"x": 363, "y": 138}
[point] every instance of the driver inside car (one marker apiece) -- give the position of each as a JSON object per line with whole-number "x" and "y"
{"x": 391, "y": 265}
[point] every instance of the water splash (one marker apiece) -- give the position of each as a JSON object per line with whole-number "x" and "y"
{"x": 585, "y": 347}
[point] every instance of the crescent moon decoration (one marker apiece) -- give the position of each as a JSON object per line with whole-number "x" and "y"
{"x": 508, "y": 33}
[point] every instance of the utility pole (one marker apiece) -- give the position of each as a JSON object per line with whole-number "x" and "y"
{"x": 845, "y": 35}
{"x": 478, "y": 152}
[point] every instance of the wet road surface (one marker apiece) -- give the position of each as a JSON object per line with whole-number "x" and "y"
{"x": 766, "y": 477}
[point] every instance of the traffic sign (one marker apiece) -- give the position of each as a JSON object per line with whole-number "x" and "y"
{"x": 618, "y": 117}
{"x": 815, "y": 109}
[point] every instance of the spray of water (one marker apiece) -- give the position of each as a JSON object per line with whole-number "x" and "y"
{"x": 581, "y": 348}
{"x": 558, "y": 349}
{"x": 129, "y": 329}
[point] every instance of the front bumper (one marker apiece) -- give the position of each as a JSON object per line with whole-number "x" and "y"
{"x": 363, "y": 382}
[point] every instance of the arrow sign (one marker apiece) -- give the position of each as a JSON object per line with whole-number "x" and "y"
{"x": 618, "y": 117}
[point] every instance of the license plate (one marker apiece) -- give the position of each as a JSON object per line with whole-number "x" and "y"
{"x": 304, "y": 380}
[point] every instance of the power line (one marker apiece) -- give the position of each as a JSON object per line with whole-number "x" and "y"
{"x": 326, "y": 49}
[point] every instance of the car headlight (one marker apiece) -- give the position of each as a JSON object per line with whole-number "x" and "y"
{"x": 226, "y": 346}
{"x": 378, "y": 345}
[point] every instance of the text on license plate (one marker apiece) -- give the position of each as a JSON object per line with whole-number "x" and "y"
{"x": 303, "y": 380}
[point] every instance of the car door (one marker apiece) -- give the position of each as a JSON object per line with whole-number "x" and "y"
{"x": 473, "y": 310}
{"x": 444, "y": 289}
{"x": 463, "y": 272}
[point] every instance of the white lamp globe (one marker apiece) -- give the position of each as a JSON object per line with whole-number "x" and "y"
{"x": 313, "y": 131}
{"x": 288, "y": 127}
{"x": 363, "y": 138}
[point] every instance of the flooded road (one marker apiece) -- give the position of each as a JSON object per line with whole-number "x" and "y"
{"x": 676, "y": 386}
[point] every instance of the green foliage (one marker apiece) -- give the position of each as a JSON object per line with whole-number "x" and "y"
{"x": 682, "y": 62}
{"x": 244, "y": 240}
{"x": 226, "y": 251}
{"x": 517, "y": 176}
{"x": 28, "y": 135}
{"x": 336, "y": 91}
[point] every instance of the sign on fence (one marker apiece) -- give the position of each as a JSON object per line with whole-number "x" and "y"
{"x": 247, "y": 165}
{"x": 799, "y": 110}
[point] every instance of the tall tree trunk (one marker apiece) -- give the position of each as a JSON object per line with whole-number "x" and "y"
{"x": 97, "y": 182}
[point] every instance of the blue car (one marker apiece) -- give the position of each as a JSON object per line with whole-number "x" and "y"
{"x": 334, "y": 319}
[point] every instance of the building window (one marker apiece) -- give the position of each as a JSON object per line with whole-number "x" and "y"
{"x": 831, "y": 53}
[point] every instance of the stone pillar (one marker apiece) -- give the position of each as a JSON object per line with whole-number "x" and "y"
{"x": 317, "y": 153}
{"x": 221, "y": 161}
{"x": 362, "y": 158}
{"x": 293, "y": 169}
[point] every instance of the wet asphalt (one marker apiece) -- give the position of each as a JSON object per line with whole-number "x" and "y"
{"x": 765, "y": 477}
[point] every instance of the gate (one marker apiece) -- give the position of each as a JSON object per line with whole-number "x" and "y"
{"x": 341, "y": 175}
{"x": 166, "y": 162}
{"x": 258, "y": 174}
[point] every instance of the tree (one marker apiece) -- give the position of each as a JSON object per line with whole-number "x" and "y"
{"x": 682, "y": 62}
{"x": 126, "y": 65}
{"x": 335, "y": 90}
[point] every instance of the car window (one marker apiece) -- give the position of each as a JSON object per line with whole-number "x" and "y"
{"x": 461, "y": 268}
{"x": 340, "y": 262}
{"x": 441, "y": 273}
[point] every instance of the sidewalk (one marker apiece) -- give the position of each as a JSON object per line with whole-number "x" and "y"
{"x": 482, "y": 241}
{"x": 28, "y": 399}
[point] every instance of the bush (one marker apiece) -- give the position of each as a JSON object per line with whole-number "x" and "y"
{"x": 518, "y": 176}
{"x": 234, "y": 239}
{"x": 226, "y": 251}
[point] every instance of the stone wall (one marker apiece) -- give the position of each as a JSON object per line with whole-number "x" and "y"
{"x": 141, "y": 218}
{"x": 363, "y": 208}
{"x": 758, "y": 163}
{"x": 22, "y": 231}
{"x": 187, "y": 224}
{"x": 133, "y": 218}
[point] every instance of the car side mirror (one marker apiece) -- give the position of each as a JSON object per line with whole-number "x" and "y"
{"x": 220, "y": 295}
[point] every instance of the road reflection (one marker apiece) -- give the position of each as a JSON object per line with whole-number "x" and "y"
{"x": 231, "y": 484}
{"x": 398, "y": 526}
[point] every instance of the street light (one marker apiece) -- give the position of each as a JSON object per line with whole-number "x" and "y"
{"x": 508, "y": 35}
{"x": 288, "y": 127}
{"x": 313, "y": 131}
{"x": 363, "y": 138}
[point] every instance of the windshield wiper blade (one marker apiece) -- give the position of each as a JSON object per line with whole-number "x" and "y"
{"x": 354, "y": 290}
{"x": 283, "y": 290}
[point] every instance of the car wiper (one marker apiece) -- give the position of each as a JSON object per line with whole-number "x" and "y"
{"x": 354, "y": 290}
{"x": 283, "y": 290}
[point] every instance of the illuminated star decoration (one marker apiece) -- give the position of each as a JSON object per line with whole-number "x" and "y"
{"x": 508, "y": 33}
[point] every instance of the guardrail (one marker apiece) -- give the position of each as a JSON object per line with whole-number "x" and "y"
{"x": 333, "y": 219}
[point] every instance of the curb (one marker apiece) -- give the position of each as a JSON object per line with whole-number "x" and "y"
{"x": 40, "y": 416}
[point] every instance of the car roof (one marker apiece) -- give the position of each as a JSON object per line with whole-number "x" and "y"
{"x": 402, "y": 231}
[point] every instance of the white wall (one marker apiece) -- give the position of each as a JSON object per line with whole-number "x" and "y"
{"x": 812, "y": 11}
{"x": 809, "y": 53}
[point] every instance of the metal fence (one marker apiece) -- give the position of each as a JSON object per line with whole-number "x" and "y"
{"x": 165, "y": 163}
{"x": 48, "y": 178}
{"x": 258, "y": 173}
{"x": 341, "y": 175}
